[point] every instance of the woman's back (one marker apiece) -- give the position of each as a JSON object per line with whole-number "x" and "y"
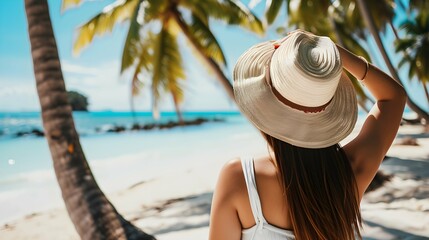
{"x": 262, "y": 208}
{"x": 261, "y": 185}
{"x": 270, "y": 193}
{"x": 266, "y": 218}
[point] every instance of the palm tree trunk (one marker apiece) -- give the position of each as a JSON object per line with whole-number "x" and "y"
{"x": 369, "y": 21}
{"x": 208, "y": 61}
{"x": 425, "y": 88}
{"x": 93, "y": 216}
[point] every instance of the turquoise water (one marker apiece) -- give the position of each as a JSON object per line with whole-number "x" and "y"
{"x": 29, "y": 153}
{"x": 118, "y": 160}
{"x": 87, "y": 122}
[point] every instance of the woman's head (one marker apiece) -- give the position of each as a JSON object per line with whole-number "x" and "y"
{"x": 320, "y": 189}
{"x": 294, "y": 89}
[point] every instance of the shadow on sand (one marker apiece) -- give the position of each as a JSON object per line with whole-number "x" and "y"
{"x": 408, "y": 182}
{"x": 407, "y": 168}
{"x": 180, "y": 213}
{"x": 391, "y": 233}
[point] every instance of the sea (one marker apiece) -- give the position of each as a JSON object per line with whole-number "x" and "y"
{"x": 118, "y": 160}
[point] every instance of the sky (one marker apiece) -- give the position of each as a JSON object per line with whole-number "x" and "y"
{"x": 95, "y": 71}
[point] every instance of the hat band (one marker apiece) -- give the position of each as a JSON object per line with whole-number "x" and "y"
{"x": 285, "y": 100}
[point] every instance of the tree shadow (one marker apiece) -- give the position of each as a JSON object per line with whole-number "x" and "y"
{"x": 407, "y": 168}
{"x": 409, "y": 179}
{"x": 178, "y": 214}
{"x": 395, "y": 233}
{"x": 184, "y": 206}
{"x": 413, "y": 135}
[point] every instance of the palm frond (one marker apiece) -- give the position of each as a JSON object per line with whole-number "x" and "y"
{"x": 353, "y": 20}
{"x": 420, "y": 5}
{"x": 350, "y": 42}
{"x": 412, "y": 71}
{"x": 103, "y": 22}
{"x": 176, "y": 90}
{"x": 155, "y": 9}
{"x": 423, "y": 62}
{"x": 410, "y": 27}
{"x": 415, "y": 47}
{"x": 129, "y": 51}
{"x": 404, "y": 44}
{"x": 383, "y": 12}
{"x": 197, "y": 10}
{"x": 230, "y": 11}
{"x": 272, "y": 10}
{"x": 66, "y": 4}
{"x": 137, "y": 84}
{"x": 206, "y": 40}
{"x": 309, "y": 15}
{"x": 143, "y": 64}
{"x": 402, "y": 62}
{"x": 167, "y": 64}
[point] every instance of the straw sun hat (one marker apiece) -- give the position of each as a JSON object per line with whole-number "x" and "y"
{"x": 295, "y": 90}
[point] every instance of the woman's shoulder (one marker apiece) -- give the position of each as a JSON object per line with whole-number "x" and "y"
{"x": 233, "y": 169}
{"x": 231, "y": 181}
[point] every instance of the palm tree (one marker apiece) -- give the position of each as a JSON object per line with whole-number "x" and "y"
{"x": 366, "y": 13}
{"x": 415, "y": 47}
{"x": 152, "y": 39}
{"x": 93, "y": 216}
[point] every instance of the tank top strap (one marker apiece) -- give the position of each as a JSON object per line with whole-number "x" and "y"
{"x": 255, "y": 202}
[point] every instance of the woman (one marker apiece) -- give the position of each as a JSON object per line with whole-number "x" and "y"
{"x": 295, "y": 92}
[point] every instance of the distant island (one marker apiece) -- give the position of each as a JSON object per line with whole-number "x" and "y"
{"x": 78, "y": 101}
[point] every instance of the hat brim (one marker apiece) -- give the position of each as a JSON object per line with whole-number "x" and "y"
{"x": 309, "y": 130}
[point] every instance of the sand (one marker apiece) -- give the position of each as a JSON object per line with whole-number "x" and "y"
{"x": 176, "y": 204}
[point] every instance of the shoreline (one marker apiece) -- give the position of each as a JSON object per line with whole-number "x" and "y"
{"x": 175, "y": 204}
{"x": 120, "y": 128}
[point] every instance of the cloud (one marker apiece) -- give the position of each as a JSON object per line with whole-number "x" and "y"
{"x": 69, "y": 67}
{"x": 17, "y": 96}
{"x": 106, "y": 89}
{"x": 103, "y": 85}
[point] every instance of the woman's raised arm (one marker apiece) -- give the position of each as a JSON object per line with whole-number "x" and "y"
{"x": 368, "y": 149}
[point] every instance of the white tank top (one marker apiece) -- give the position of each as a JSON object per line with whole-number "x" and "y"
{"x": 262, "y": 230}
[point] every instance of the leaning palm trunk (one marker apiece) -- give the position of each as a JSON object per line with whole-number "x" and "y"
{"x": 369, "y": 21}
{"x": 425, "y": 88}
{"x": 209, "y": 62}
{"x": 91, "y": 212}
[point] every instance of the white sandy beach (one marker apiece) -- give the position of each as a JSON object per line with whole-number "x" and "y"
{"x": 175, "y": 204}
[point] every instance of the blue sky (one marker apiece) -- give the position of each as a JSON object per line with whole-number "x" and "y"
{"x": 95, "y": 72}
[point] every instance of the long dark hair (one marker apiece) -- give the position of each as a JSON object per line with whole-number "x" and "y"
{"x": 320, "y": 189}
